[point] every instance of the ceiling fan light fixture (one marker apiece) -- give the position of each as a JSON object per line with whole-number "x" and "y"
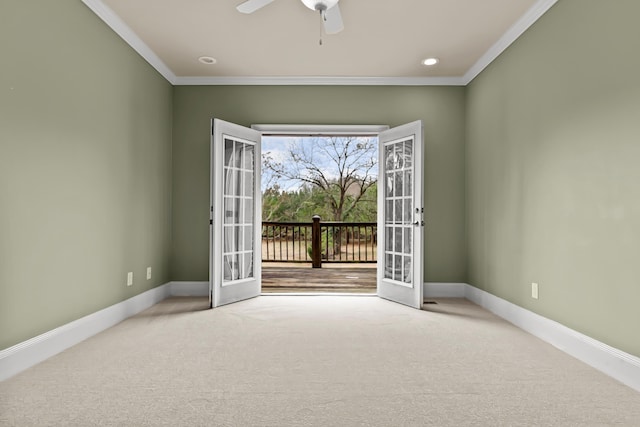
{"x": 320, "y": 5}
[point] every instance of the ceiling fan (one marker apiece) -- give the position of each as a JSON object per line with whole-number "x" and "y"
{"x": 328, "y": 9}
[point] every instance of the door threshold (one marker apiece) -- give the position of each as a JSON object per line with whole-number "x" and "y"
{"x": 316, "y": 294}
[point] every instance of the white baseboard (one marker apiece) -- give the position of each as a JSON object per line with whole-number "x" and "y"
{"x": 26, "y": 354}
{"x": 189, "y": 289}
{"x": 617, "y": 364}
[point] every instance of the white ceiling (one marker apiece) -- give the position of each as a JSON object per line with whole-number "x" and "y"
{"x": 383, "y": 41}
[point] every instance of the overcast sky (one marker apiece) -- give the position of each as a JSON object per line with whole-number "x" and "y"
{"x": 278, "y": 149}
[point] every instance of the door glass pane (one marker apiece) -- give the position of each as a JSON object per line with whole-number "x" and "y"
{"x": 388, "y": 263}
{"x": 407, "y": 210}
{"x": 239, "y": 200}
{"x": 248, "y": 238}
{"x": 407, "y": 241}
{"x": 388, "y": 158}
{"x": 397, "y": 215}
{"x": 398, "y": 210}
{"x": 237, "y": 154}
{"x": 237, "y": 176}
{"x": 398, "y": 179}
{"x": 389, "y": 184}
{"x": 398, "y": 239}
{"x": 247, "y": 265}
{"x": 247, "y": 162}
{"x": 408, "y": 183}
{"x": 406, "y": 270}
{"x": 399, "y": 163}
{"x": 230, "y": 266}
{"x": 231, "y": 213}
{"x": 229, "y": 239}
{"x": 228, "y": 151}
{"x": 397, "y": 268}
{"x": 229, "y": 182}
{"x": 388, "y": 239}
{"x": 248, "y": 211}
{"x": 248, "y": 184}
{"x": 240, "y": 239}
{"x": 388, "y": 211}
{"x": 240, "y": 213}
{"x": 408, "y": 153}
{"x": 226, "y": 266}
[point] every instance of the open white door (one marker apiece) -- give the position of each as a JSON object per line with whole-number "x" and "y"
{"x": 235, "y": 254}
{"x": 400, "y": 214}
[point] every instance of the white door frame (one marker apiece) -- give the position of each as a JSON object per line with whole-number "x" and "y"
{"x": 326, "y": 130}
{"x": 313, "y": 130}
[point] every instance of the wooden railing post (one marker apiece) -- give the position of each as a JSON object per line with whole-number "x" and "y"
{"x": 316, "y": 251}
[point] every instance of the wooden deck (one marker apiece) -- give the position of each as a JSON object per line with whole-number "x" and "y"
{"x": 329, "y": 278}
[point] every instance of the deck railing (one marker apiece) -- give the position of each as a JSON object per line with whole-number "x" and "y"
{"x": 319, "y": 242}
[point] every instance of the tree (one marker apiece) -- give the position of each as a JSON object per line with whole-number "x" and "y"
{"x": 293, "y": 205}
{"x": 341, "y": 170}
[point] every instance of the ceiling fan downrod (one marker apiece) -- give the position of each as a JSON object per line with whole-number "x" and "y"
{"x": 322, "y": 18}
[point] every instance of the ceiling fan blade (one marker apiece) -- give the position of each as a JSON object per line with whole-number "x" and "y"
{"x": 251, "y": 6}
{"x": 333, "y": 20}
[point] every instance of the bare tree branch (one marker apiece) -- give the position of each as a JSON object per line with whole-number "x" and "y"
{"x": 342, "y": 167}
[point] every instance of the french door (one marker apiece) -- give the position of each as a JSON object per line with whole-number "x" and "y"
{"x": 236, "y": 217}
{"x": 400, "y": 214}
{"x": 235, "y": 225}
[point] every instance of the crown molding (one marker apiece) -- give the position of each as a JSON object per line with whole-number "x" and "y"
{"x": 513, "y": 33}
{"x": 128, "y": 35}
{"x": 320, "y": 81}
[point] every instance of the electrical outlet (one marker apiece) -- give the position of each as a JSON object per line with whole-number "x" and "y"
{"x": 148, "y": 273}
{"x": 534, "y": 290}
{"x": 130, "y": 278}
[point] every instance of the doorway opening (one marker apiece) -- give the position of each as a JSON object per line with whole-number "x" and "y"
{"x": 319, "y": 213}
{"x": 235, "y": 231}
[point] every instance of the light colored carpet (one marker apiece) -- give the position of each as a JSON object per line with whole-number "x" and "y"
{"x": 314, "y": 361}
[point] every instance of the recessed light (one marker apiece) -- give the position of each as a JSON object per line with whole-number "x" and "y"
{"x": 430, "y": 61}
{"x": 207, "y": 60}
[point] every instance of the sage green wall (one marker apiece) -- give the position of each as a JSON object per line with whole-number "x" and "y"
{"x": 85, "y": 167}
{"x": 553, "y": 173}
{"x": 441, "y": 108}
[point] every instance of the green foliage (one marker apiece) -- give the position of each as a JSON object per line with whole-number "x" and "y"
{"x": 326, "y": 242}
{"x": 301, "y": 205}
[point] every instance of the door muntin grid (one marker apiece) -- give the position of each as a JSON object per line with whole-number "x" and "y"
{"x": 238, "y": 211}
{"x": 398, "y": 211}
